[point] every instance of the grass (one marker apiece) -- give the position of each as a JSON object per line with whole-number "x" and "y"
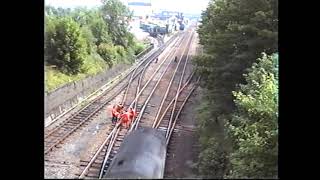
{"x": 93, "y": 65}
{"x": 140, "y": 46}
{"x": 55, "y": 79}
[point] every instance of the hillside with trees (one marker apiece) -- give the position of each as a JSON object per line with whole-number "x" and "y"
{"x": 238, "y": 116}
{"x": 81, "y": 42}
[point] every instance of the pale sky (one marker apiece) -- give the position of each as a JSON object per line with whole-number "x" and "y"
{"x": 187, "y": 6}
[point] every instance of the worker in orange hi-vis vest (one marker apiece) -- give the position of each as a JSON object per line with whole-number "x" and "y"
{"x": 116, "y": 113}
{"x": 131, "y": 114}
{"x": 128, "y": 117}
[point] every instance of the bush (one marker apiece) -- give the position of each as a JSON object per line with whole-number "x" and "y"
{"x": 89, "y": 38}
{"x": 130, "y": 55}
{"x": 80, "y": 41}
{"x": 212, "y": 160}
{"x": 93, "y": 64}
{"x": 108, "y": 53}
{"x": 121, "y": 54}
{"x": 254, "y": 127}
{"x": 139, "y": 47}
{"x": 250, "y": 134}
{"x": 100, "y": 31}
{"x": 233, "y": 34}
{"x": 65, "y": 46}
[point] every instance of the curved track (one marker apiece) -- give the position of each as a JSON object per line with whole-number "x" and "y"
{"x": 144, "y": 90}
{"x": 56, "y": 135}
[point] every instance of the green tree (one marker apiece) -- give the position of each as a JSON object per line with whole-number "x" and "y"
{"x": 139, "y": 48}
{"x": 59, "y": 12}
{"x": 254, "y": 127}
{"x": 233, "y": 33}
{"x": 100, "y": 30}
{"x": 121, "y": 53}
{"x": 81, "y": 15}
{"x": 213, "y": 160}
{"x": 89, "y": 38}
{"x": 65, "y": 46}
{"x": 50, "y": 10}
{"x": 92, "y": 19}
{"x": 108, "y": 53}
{"x": 117, "y": 17}
{"x": 49, "y": 32}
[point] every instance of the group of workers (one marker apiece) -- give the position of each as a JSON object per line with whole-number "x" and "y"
{"x": 125, "y": 118}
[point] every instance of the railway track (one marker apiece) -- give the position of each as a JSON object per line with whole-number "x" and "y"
{"x": 77, "y": 120}
{"x": 178, "y": 133}
{"x": 92, "y": 168}
{"x": 150, "y": 108}
{"x": 170, "y": 123}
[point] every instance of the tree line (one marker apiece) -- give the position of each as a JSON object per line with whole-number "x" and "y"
{"x": 71, "y": 36}
{"x": 238, "y": 116}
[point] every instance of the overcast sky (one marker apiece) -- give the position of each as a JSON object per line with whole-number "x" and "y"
{"x": 187, "y": 6}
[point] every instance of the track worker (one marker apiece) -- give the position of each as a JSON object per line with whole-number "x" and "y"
{"x": 175, "y": 59}
{"x": 128, "y": 117}
{"x": 131, "y": 114}
{"x": 116, "y": 113}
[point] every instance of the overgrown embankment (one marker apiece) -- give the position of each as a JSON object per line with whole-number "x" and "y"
{"x": 82, "y": 42}
{"x": 238, "y": 116}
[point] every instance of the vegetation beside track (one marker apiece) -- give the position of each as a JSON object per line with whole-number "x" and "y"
{"x": 82, "y": 42}
{"x": 238, "y": 116}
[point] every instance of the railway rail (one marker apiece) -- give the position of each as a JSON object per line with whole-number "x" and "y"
{"x": 178, "y": 135}
{"x": 140, "y": 57}
{"x": 77, "y": 120}
{"x": 99, "y": 162}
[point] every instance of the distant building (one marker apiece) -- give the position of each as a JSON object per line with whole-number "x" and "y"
{"x": 165, "y": 14}
{"x": 141, "y": 8}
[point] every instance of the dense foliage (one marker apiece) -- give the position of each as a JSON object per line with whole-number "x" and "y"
{"x": 241, "y": 118}
{"x": 234, "y": 33}
{"x": 117, "y": 16}
{"x": 76, "y": 40}
{"x": 254, "y": 126}
{"x": 65, "y": 46}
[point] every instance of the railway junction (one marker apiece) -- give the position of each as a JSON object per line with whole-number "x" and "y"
{"x": 83, "y": 143}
